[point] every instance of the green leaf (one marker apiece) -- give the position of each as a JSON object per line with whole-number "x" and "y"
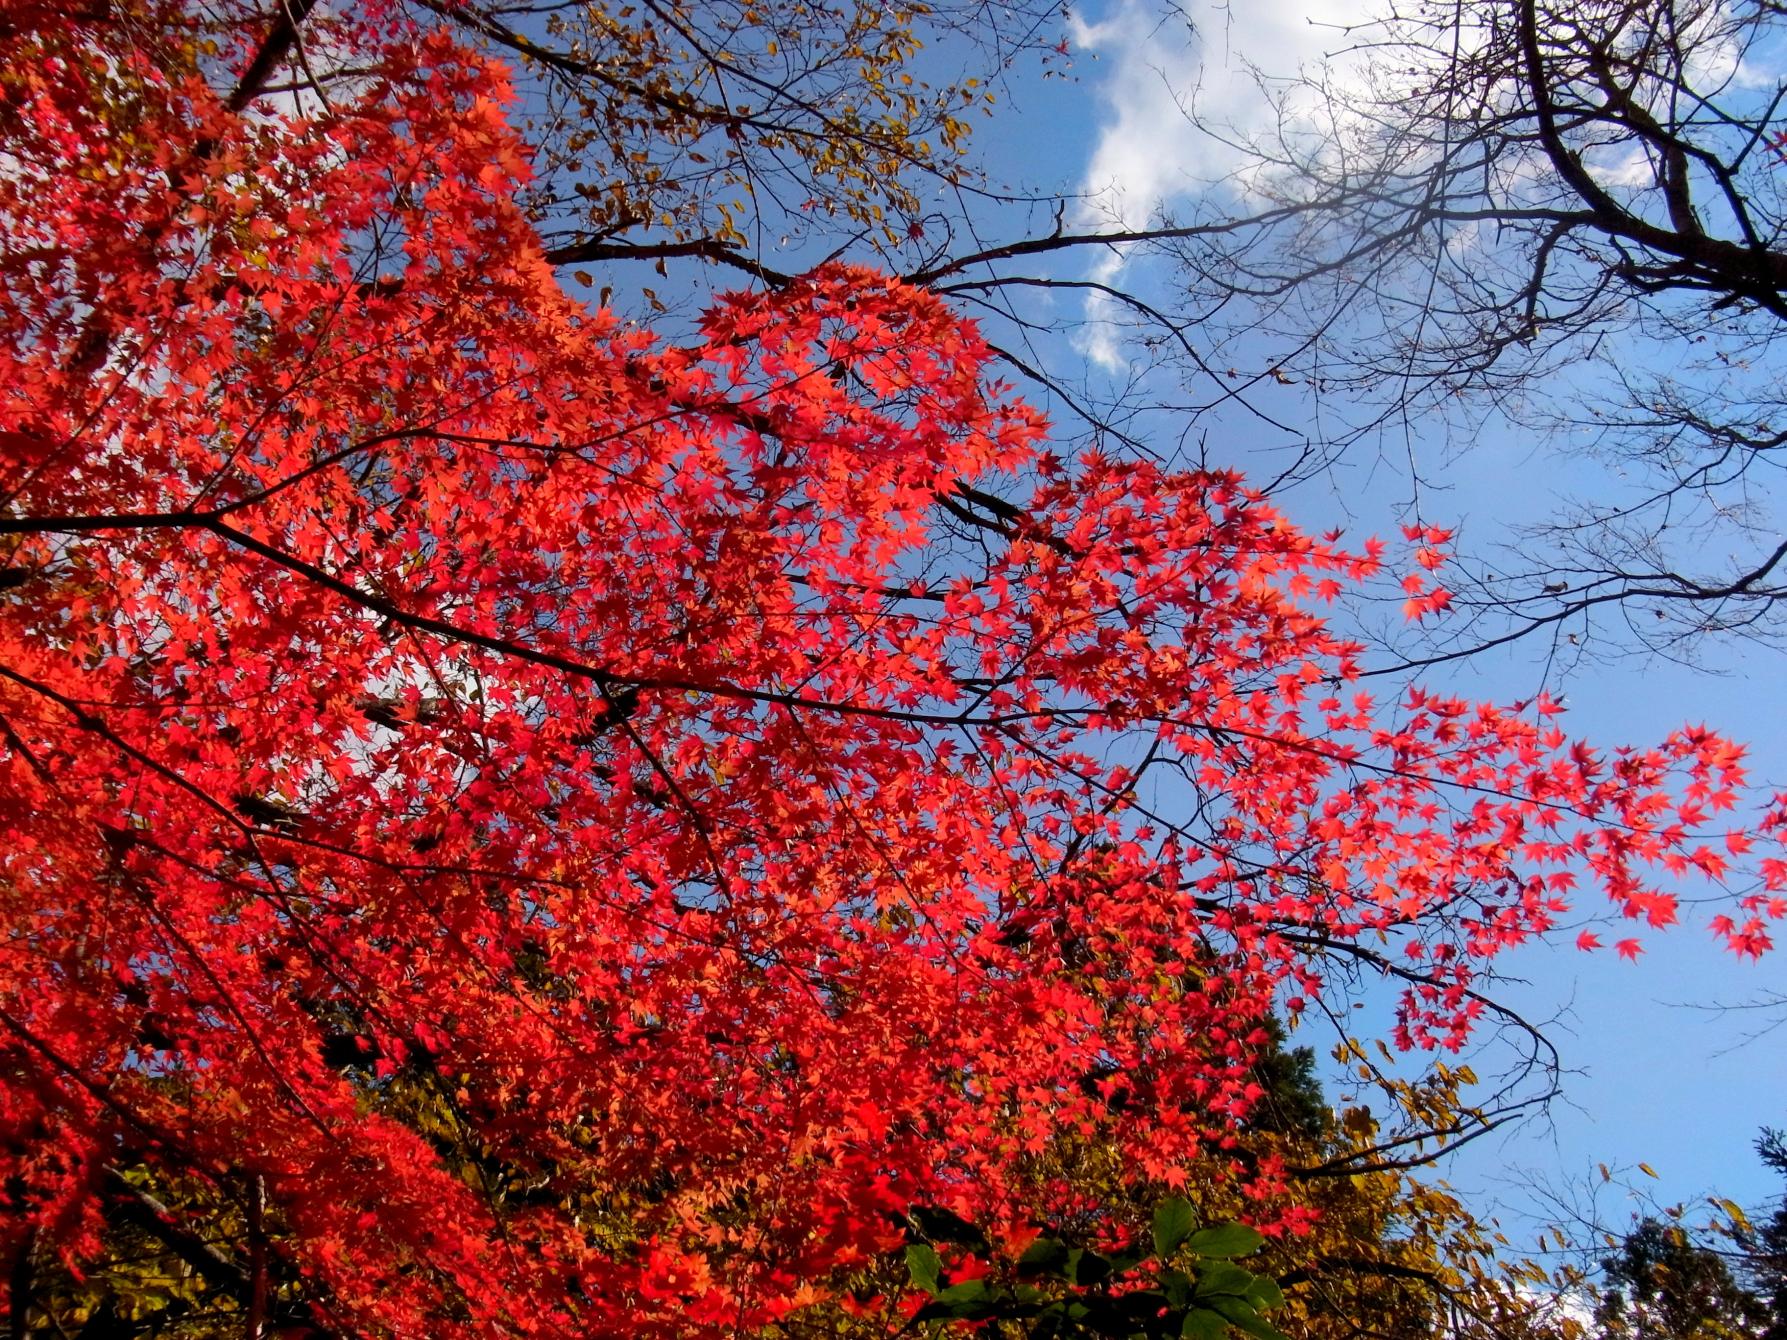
{"x": 1176, "y": 1285}
{"x": 1264, "y": 1293}
{"x": 968, "y": 1291}
{"x": 1045, "y": 1256}
{"x": 1174, "y": 1221}
{"x": 971, "y": 1300}
{"x": 1124, "y": 1261}
{"x": 1242, "y": 1316}
{"x": 1203, "y": 1324}
{"x": 1226, "y": 1240}
{"x": 1219, "y": 1277}
{"x": 941, "y": 1225}
{"x": 1086, "y": 1267}
{"x": 924, "y": 1266}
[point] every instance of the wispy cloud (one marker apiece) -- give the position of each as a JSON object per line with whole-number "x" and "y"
{"x": 1177, "y": 99}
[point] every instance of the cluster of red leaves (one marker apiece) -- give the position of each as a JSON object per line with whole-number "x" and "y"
{"x": 728, "y": 777}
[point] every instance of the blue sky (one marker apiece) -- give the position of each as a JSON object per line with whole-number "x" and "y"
{"x": 1660, "y": 1082}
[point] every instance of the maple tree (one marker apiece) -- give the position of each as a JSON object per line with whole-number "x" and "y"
{"x": 517, "y": 827}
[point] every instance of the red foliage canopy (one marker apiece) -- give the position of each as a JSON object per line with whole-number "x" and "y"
{"x": 689, "y": 762}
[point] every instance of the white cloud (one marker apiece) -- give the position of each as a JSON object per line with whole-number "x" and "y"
{"x": 1175, "y": 104}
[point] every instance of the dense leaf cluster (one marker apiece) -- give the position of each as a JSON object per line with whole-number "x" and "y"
{"x": 510, "y": 826}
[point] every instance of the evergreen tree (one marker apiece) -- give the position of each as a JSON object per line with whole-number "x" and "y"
{"x": 1663, "y": 1286}
{"x": 1766, "y": 1250}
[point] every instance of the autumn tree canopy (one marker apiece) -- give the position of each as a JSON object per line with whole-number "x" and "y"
{"x": 515, "y": 826}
